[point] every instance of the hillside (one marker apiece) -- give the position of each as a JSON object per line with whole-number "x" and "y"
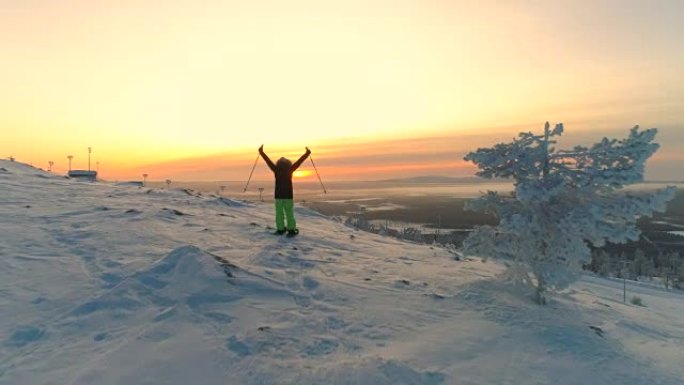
{"x": 117, "y": 284}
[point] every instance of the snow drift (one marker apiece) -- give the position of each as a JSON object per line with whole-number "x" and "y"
{"x": 122, "y": 284}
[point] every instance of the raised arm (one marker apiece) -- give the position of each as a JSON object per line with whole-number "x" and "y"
{"x": 301, "y": 160}
{"x": 266, "y": 158}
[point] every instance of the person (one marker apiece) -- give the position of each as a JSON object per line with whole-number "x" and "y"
{"x": 284, "y": 196}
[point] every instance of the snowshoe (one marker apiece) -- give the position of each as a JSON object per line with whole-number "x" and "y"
{"x": 292, "y": 233}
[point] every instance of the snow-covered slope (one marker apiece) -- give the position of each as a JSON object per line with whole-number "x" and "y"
{"x": 116, "y": 284}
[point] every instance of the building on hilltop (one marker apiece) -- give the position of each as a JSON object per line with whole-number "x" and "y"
{"x": 83, "y": 174}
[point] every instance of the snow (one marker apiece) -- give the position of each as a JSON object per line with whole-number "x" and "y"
{"x": 384, "y": 207}
{"x": 119, "y": 284}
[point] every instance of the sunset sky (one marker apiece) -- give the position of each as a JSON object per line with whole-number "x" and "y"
{"x": 188, "y": 90}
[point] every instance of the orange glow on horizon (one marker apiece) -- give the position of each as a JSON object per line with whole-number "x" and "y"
{"x": 302, "y": 174}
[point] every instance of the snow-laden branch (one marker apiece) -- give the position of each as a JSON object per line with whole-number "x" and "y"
{"x": 563, "y": 202}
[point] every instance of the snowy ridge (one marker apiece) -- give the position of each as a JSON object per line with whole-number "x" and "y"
{"x": 114, "y": 284}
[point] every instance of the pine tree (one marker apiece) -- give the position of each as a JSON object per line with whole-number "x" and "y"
{"x": 641, "y": 265}
{"x": 563, "y": 202}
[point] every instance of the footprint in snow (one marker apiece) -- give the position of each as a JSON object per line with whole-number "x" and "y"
{"x": 238, "y": 347}
{"x": 309, "y": 282}
{"x": 321, "y": 347}
{"x": 25, "y": 335}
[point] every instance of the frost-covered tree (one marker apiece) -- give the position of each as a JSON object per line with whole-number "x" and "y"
{"x": 563, "y": 201}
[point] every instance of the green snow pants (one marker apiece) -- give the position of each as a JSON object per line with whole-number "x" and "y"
{"x": 285, "y": 209}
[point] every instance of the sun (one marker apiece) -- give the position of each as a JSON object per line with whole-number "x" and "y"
{"x": 301, "y": 173}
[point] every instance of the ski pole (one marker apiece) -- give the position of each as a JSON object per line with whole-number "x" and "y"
{"x": 252, "y": 172}
{"x": 317, "y": 174}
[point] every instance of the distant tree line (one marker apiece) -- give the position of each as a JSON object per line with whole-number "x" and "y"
{"x": 657, "y": 254}
{"x": 638, "y": 264}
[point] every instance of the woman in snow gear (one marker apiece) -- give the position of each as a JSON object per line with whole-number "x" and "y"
{"x": 284, "y": 196}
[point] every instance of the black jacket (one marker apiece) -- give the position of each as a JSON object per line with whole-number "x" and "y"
{"x": 283, "y": 175}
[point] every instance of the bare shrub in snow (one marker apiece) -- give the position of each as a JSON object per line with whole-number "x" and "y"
{"x": 637, "y": 301}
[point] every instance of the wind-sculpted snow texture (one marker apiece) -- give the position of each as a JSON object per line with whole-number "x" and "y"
{"x": 118, "y": 284}
{"x": 563, "y": 202}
